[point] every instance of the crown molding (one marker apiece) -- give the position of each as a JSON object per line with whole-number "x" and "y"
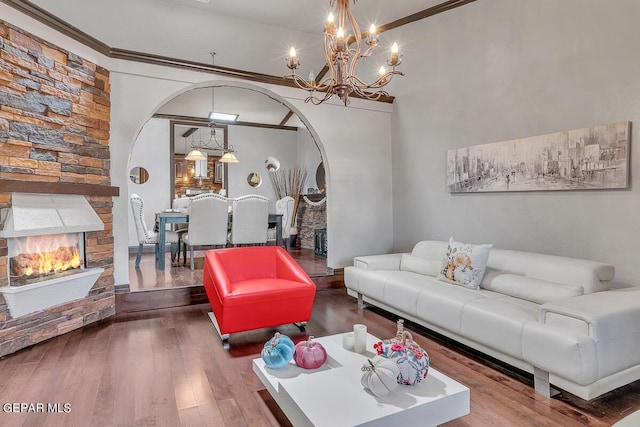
{"x": 52, "y": 21}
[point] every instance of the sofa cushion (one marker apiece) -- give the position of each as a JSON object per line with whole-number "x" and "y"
{"x": 419, "y": 265}
{"x": 464, "y": 264}
{"x": 527, "y": 288}
{"x": 441, "y": 304}
{"x": 498, "y": 322}
{"x": 402, "y": 288}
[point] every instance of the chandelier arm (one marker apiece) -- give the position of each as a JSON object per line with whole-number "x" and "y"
{"x": 317, "y": 101}
{"x": 306, "y": 85}
{"x": 382, "y": 80}
{"x": 372, "y": 96}
{"x": 355, "y": 52}
{"x": 329, "y": 59}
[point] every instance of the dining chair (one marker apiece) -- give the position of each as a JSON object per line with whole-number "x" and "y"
{"x": 284, "y": 207}
{"x": 147, "y": 236}
{"x": 208, "y": 219}
{"x": 250, "y": 220}
{"x": 181, "y": 203}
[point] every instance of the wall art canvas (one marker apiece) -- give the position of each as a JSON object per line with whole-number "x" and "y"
{"x": 581, "y": 159}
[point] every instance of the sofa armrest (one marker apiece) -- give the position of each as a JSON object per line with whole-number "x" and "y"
{"x": 610, "y": 318}
{"x": 602, "y": 315}
{"x": 378, "y": 262}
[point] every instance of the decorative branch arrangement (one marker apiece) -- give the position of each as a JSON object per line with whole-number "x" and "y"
{"x": 289, "y": 182}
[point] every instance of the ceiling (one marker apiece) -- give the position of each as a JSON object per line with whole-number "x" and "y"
{"x": 246, "y": 35}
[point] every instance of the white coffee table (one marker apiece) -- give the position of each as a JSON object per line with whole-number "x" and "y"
{"x": 333, "y": 396}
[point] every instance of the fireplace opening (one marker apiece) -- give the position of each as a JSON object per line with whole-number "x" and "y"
{"x": 36, "y": 258}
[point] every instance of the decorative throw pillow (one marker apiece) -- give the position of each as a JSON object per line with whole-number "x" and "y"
{"x": 464, "y": 264}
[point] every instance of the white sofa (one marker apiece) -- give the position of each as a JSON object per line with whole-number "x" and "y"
{"x": 552, "y": 316}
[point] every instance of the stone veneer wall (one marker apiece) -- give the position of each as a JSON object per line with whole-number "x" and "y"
{"x": 54, "y": 127}
{"x": 309, "y": 218}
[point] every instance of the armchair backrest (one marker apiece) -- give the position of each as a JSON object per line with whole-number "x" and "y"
{"x": 208, "y": 220}
{"x": 257, "y": 262}
{"x": 250, "y": 220}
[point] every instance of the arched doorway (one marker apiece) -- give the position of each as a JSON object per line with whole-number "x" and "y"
{"x": 183, "y": 111}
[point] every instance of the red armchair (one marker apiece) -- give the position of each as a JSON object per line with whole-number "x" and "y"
{"x": 256, "y": 287}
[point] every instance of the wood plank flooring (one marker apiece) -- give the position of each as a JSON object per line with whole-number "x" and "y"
{"x": 169, "y": 368}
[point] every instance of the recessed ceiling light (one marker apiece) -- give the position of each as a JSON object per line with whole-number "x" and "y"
{"x": 223, "y": 116}
{"x": 204, "y": 1}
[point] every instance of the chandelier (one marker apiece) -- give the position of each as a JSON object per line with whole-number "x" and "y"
{"x": 342, "y": 50}
{"x": 213, "y": 143}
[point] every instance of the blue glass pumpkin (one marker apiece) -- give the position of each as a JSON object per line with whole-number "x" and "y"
{"x": 278, "y": 351}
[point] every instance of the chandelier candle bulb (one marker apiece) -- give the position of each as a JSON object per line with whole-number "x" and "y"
{"x": 331, "y": 26}
{"x": 312, "y": 77}
{"x": 393, "y": 56}
{"x": 293, "y": 59}
{"x": 340, "y": 39}
{"x": 373, "y": 37}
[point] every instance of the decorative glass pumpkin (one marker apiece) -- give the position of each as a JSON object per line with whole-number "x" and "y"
{"x": 380, "y": 376}
{"x": 278, "y": 351}
{"x": 412, "y": 360}
{"x": 310, "y": 354}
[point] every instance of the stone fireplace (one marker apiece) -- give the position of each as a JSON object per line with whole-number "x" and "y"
{"x": 54, "y": 182}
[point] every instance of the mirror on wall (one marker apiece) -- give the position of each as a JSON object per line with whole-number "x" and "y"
{"x": 206, "y": 175}
{"x": 254, "y": 179}
{"x": 138, "y": 175}
{"x": 320, "y": 178}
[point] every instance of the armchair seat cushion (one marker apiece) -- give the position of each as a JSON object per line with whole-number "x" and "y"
{"x": 265, "y": 291}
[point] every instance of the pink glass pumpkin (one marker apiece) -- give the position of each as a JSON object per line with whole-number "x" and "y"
{"x": 310, "y": 354}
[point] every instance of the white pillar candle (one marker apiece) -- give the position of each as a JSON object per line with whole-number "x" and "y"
{"x": 347, "y": 341}
{"x": 359, "y": 338}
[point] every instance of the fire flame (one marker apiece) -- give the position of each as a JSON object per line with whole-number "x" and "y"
{"x": 46, "y": 254}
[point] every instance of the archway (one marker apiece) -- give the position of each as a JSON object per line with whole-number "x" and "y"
{"x": 272, "y": 97}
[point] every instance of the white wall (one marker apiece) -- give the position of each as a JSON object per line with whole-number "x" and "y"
{"x": 254, "y": 145}
{"x": 308, "y": 157}
{"x": 151, "y": 152}
{"x": 504, "y": 69}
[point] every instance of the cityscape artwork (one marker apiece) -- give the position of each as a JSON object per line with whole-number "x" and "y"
{"x": 581, "y": 159}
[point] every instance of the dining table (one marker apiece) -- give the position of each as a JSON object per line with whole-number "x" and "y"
{"x": 181, "y": 216}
